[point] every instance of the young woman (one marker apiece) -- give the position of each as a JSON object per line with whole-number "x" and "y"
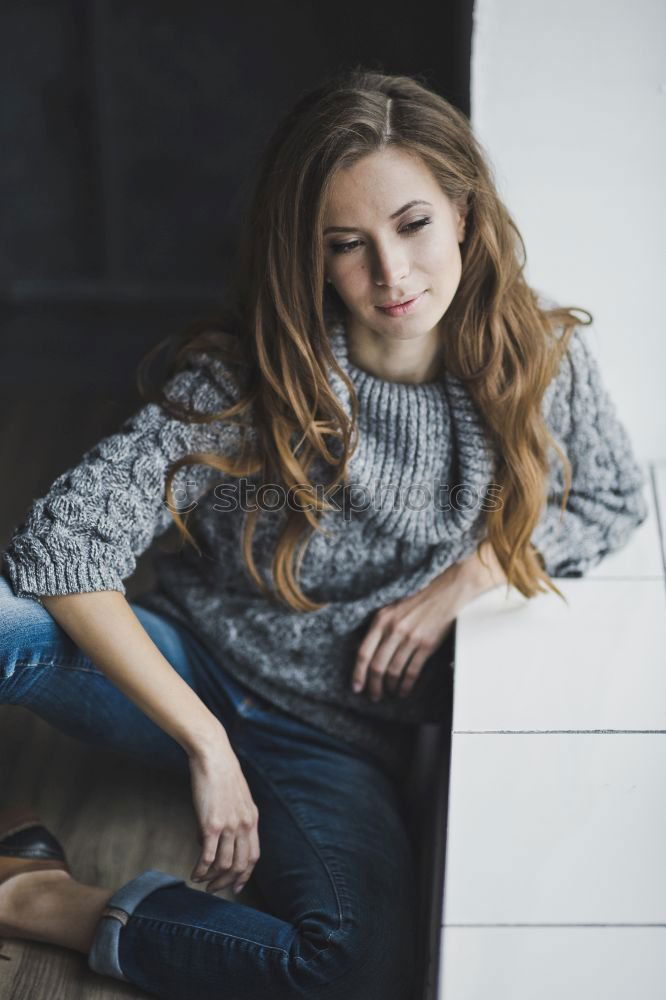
{"x": 386, "y": 422}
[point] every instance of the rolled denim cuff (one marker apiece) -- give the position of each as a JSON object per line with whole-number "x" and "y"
{"x": 104, "y": 953}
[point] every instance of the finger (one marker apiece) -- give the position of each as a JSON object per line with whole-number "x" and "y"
{"x": 255, "y": 850}
{"x": 241, "y": 855}
{"x": 380, "y": 662}
{"x": 224, "y": 857}
{"x": 413, "y": 671}
{"x": 206, "y": 858}
{"x": 235, "y": 871}
{"x": 364, "y": 656}
{"x": 253, "y": 857}
{"x": 241, "y": 862}
{"x": 397, "y": 665}
{"x": 235, "y": 859}
{"x": 222, "y": 852}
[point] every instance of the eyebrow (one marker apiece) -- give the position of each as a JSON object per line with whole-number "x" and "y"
{"x": 401, "y": 211}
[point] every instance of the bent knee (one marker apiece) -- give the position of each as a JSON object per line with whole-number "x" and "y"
{"x": 26, "y": 631}
{"x": 19, "y": 612}
{"x": 361, "y": 965}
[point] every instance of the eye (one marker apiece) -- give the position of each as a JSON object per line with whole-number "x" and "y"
{"x": 410, "y": 229}
{"x": 413, "y": 227}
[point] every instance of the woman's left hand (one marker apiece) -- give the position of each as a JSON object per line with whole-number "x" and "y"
{"x": 404, "y": 634}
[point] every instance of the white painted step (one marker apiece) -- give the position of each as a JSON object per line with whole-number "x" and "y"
{"x": 565, "y": 962}
{"x": 597, "y": 663}
{"x": 556, "y": 829}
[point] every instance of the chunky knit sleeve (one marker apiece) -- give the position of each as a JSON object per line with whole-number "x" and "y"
{"x": 606, "y": 502}
{"x": 98, "y": 517}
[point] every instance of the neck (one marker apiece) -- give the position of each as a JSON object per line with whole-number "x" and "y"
{"x": 413, "y": 360}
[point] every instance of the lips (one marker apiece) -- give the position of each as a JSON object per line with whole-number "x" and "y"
{"x": 400, "y": 302}
{"x": 402, "y": 308}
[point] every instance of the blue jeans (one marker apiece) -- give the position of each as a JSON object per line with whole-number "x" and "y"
{"x": 336, "y": 865}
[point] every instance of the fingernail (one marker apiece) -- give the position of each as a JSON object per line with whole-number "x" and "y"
{"x": 237, "y": 888}
{"x": 356, "y": 686}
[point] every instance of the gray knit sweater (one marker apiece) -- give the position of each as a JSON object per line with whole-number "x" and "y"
{"x": 421, "y": 476}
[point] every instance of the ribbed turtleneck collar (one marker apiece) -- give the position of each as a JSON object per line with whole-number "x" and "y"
{"x": 419, "y": 445}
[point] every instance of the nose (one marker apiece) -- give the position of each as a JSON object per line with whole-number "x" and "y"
{"x": 391, "y": 265}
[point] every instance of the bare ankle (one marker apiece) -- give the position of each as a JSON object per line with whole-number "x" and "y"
{"x": 51, "y": 906}
{"x": 24, "y": 895}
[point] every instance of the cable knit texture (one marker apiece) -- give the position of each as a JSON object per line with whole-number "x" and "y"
{"x": 420, "y": 478}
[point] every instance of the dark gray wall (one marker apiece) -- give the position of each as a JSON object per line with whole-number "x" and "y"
{"x": 129, "y": 131}
{"x": 129, "y": 128}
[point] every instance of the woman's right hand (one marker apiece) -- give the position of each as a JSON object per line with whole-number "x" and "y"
{"x": 104, "y": 626}
{"x": 227, "y": 818}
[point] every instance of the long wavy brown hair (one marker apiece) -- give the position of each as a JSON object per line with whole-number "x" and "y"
{"x": 271, "y": 331}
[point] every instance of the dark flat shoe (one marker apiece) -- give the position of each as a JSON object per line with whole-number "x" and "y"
{"x": 26, "y": 845}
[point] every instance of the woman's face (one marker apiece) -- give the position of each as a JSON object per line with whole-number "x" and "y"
{"x": 392, "y": 250}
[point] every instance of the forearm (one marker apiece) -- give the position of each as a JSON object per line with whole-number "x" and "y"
{"x": 104, "y": 627}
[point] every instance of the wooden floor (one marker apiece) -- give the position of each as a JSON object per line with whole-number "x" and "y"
{"x": 114, "y": 818}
